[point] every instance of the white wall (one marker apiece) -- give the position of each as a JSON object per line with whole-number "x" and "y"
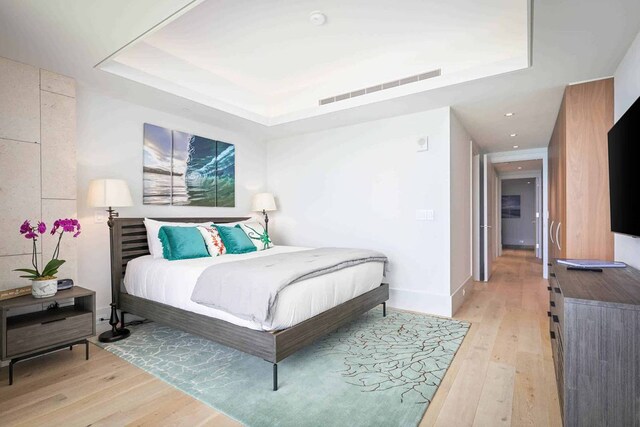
{"x": 356, "y": 186}
{"x": 627, "y": 90}
{"x": 360, "y": 186}
{"x": 110, "y": 145}
{"x": 461, "y": 210}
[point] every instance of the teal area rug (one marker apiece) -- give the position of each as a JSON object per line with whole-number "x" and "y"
{"x": 375, "y": 371}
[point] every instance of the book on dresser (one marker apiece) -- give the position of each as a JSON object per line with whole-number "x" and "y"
{"x": 594, "y": 326}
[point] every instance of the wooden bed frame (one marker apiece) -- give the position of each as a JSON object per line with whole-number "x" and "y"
{"x": 129, "y": 241}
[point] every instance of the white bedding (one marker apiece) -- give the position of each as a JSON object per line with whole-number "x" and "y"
{"x": 172, "y": 282}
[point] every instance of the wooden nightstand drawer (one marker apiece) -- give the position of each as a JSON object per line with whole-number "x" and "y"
{"x": 32, "y": 332}
{"x": 37, "y": 333}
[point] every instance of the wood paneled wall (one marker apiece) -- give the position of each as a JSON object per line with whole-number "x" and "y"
{"x": 37, "y": 163}
{"x": 579, "y": 173}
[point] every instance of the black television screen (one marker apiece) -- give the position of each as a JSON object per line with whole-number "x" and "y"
{"x": 624, "y": 172}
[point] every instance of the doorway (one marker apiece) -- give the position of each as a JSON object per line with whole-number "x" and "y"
{"x": 488, "y": 228}
{"x": 490, "y": 171}
{"x": 519, "y": 213}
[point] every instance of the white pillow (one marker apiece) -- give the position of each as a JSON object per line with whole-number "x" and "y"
{"x": 212, "y": 239}
{"x": 233, "y": 224}
{"x": 256, "y": 232}
{"x": 153, "y": 228}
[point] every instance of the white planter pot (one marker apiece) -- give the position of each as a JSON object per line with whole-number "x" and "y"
{"x": 44, "y": 288}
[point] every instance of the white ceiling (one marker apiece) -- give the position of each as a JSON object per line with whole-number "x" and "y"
{"x": 521, "y": 166}
{"x": 572, "y": 40}
{"x": 266, "y": 62}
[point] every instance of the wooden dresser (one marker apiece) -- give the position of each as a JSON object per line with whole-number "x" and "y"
{"x": 579, "y": 218}
{"x": 594, "y": 323}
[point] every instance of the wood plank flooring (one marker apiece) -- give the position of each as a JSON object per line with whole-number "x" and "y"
{"x": 502, "y": 375}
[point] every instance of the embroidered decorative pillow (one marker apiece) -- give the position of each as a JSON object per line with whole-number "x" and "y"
{"x": 258, "y": 235}
{"x": 212, "y": 239}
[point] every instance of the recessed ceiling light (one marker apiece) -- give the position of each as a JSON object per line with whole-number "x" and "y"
{"x": 528, "y": 182}
{"x": 516, "y": 146}
{"x": 519, "y": 167}
{"x": 509, "y": 114}
{"x": 317, "y": 18}
{"x": 513, "y": 135}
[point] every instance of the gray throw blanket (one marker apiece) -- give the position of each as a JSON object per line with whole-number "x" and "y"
{"x": 249, "y": 288}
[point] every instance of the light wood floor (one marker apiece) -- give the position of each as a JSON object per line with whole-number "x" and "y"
{"x": 502, "y": 374}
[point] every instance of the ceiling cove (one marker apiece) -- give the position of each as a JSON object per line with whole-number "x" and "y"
{"x": 275, "y": 62}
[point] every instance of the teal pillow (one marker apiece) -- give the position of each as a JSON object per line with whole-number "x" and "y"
{"x": 235, "y": 240}
{"x": 182, "y": 243}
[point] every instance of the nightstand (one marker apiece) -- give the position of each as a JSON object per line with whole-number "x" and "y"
{"x": 24, "y": 336}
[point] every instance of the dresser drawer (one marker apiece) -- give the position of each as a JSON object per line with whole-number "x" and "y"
{"x": 559, "y": 310}
{"x": 28, "y": 334}
{"x": 559, "y": 363}
{"x": 553, "y": 287}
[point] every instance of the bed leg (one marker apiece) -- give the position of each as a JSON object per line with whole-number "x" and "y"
{"x": 275, "y": 377}
{"x": 122, "y": 313}
{"x": 384, "y": 309}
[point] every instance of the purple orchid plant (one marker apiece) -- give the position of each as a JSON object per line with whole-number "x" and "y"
{"x": 32, "y": 232}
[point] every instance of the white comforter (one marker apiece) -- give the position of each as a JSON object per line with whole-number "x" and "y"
{"x": 172, "y": 283}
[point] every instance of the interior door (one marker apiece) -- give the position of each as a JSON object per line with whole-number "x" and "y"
{"x": 538, "y": 218}
{"x": 489, "y": 217}
{"x": 476, "y": 170}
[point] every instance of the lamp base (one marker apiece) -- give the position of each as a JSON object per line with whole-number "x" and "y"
{"x": 266, "y": 221}
{"x": 114, "y": 335}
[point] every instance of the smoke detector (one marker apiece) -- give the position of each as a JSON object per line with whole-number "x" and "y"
{"x": 317, "y": 18}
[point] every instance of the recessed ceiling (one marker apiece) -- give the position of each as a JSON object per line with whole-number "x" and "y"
{"x": 572, "y": 41}
{"x": 521, "y": 166}
{"x": 266, "y": 62}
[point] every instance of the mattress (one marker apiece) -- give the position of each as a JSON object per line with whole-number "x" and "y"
{"x": 172, "y": 283}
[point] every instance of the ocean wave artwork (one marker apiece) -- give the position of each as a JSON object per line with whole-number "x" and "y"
{"x": 187, "y": 170}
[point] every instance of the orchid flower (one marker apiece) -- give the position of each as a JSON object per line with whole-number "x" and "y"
{"x": 30, "y": 232}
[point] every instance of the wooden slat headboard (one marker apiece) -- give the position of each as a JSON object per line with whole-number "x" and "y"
{"x": 129, "y": 241}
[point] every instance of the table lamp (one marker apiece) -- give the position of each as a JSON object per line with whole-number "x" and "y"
{"x": 264, "y": 202}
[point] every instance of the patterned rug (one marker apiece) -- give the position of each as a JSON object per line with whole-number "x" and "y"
{"x": 375, "y": 371}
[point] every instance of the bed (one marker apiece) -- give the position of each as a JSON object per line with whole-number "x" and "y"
{"x": 158, "y": 290}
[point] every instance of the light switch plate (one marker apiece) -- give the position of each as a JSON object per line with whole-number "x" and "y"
{"x": 430, "y": 215}
{"x": 421, "y": 215}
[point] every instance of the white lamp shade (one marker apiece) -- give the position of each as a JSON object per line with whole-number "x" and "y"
{"x": 109, "y": 193}
{"x": 263, "y": 202}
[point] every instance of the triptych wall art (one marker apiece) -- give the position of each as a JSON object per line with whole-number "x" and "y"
{"x": 185, "y": 169}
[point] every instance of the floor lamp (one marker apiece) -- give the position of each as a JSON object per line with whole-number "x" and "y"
{"x": 110, "y": 193}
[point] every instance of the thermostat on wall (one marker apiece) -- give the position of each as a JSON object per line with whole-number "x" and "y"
{"x": 423, "y": 144}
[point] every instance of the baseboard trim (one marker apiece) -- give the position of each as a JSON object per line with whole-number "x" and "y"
{"x": 519, "y": 247}
{"x": 461, "y": 294}
{"x": 105, "y": 313}
{"x": 423, "y": 302}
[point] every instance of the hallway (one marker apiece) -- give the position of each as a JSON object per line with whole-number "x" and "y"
{"x": 503, "y": 373}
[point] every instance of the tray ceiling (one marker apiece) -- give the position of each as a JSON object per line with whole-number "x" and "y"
{"x": 265, "y": 61}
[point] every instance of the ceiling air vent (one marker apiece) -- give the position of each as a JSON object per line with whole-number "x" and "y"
{"x": 383, "y": 86}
